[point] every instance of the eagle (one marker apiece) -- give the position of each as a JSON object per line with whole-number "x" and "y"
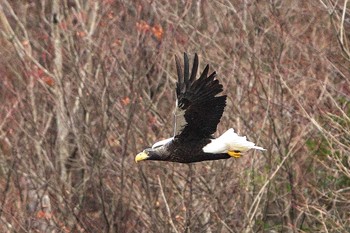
{"x": 199, "y": 108}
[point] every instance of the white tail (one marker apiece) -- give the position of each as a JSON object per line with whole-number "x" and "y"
{"x": 230, "y": 141}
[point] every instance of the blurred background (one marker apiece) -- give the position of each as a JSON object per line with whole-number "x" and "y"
{"x": 86, "y": 85}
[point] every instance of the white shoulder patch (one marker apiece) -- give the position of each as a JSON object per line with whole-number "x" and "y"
{"x": 161, "y": 143}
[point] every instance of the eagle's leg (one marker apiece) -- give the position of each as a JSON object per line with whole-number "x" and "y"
{"x": 234, "y": 153}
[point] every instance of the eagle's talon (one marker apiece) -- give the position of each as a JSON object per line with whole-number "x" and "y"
{"x": 235, "y": 154}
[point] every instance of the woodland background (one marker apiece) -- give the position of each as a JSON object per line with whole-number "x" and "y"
{"x": 86, "y": 85}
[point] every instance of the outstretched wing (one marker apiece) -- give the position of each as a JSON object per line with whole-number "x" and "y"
{"x": 198, "y": 109}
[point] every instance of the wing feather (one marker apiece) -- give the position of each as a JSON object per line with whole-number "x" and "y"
{"x": 198, "y": 109}
{"x": 186, "y": 70}
{"x": 194, "y": 68}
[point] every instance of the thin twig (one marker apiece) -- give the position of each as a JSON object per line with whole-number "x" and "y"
{"x": 166, "y": 205}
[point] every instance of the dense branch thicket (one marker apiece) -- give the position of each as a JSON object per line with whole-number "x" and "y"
{"x": 85, "y": 85}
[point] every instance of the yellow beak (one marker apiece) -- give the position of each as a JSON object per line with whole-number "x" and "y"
{"x": 141, "y": 156}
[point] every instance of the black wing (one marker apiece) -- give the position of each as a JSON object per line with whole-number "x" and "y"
{"x": 198, "y": 109}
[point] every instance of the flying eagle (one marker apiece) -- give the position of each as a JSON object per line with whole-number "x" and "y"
{"x": 197, "y": 114}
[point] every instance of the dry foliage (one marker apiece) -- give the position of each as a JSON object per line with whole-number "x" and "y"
{"x": 85, "y": 85}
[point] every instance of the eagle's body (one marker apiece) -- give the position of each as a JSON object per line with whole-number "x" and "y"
{"x": 184, "y": 152}
{"x": 198, "y": 112}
